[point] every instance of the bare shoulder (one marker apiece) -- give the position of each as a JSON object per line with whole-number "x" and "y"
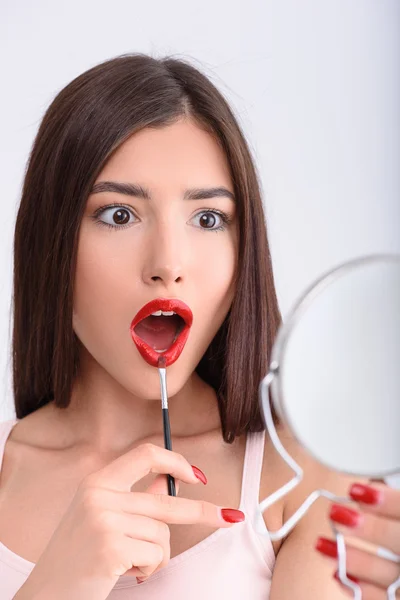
{"x": 300, "y": 570}
{"x": 32, "y": 446}
{"x": 40, "y": 429}
{"x": 275, "y": 473}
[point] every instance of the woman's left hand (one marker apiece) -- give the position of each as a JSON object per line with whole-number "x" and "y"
{"x": 377, "y": 521}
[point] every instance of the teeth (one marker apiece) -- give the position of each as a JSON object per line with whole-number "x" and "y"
{"x": 165, "y": 313}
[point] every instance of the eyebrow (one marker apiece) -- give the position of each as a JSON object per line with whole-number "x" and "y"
{"x": 133, "y": 189}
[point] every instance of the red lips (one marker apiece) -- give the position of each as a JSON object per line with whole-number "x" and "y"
{"x": 165, "y": 304}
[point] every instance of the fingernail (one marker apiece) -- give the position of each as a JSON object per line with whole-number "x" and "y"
{"x": 345, "y": 516}
{"x": 139, "y": 580}
{"x": 232, "y": 515}
{"x": 336, "y": 576}
{"x": 366, "y": 494}
{"x": 199, "y": 474}
{"x": 327, "y": 547}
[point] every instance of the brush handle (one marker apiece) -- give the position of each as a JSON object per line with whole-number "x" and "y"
{"x": 168, "y": 446}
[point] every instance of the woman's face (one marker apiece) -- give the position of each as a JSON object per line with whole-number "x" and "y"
{"x": 164, "y": 246}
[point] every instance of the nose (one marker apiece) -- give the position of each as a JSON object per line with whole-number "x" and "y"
{"x": 164, "y": 256}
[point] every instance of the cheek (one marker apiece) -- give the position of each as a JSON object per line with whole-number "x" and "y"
{"x": 214, "y": 292}
{"x": 216, "y": 267}
{"x": 215, "y": 253}
{"x": 99, "y": 302}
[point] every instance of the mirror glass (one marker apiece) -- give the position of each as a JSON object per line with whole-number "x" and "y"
{"x": 338, "y": 383}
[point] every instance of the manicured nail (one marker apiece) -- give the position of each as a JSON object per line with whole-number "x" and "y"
{"x": 232, "y": 515}
{"x": 199, "y": 474}
{"x": 345, "y": 516}
{"x": 366, "y": 494}
{"x": 336, "y": 576}
{"x": 327, "y": 547}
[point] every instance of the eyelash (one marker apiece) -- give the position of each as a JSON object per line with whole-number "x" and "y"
{"x": 226, "y": 219}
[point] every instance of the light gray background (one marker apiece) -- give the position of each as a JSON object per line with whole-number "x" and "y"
{"x": 315, "y": 85}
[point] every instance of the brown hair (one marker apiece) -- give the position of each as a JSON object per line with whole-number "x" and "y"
{"x": 86, "y": 122}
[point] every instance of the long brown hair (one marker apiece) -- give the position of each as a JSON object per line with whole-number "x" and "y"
{"x": 86, "y": 122}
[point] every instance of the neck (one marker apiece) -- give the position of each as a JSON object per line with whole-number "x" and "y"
{"x": 105, "y": 418}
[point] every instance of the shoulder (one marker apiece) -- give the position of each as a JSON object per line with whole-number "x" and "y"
{"x": 275, "y": 473}
{"x": 297, "y": 560}
{"x": 39, "y": 429}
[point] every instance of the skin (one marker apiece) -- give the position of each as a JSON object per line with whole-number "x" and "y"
{"x": 164, "y": 252}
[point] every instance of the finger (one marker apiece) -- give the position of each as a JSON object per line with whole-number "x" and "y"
{"x": 368, "y": 590}
{"x": 371, "y": 568}
{"x": 122, "y": 473}
{"x": 139, "y": 527}
{"x": 160, "y": 486}
{"x": 170, "y": 509}
{"x": 139, "y": 558}
{"x": 379, "y": 499}
{"x": 381, "y": 531}
{"x": 362, "y": 564}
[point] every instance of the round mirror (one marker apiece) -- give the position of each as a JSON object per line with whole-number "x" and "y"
{"x": 336, "y": 365}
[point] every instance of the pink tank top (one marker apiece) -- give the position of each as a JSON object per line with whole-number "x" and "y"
{"x": 230, "y": 563}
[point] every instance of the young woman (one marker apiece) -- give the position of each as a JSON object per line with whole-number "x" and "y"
{"x": 140, "y": 186}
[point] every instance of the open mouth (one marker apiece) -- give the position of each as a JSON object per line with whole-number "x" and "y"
{"x": 160, "y": 331}
{"x": 162, "y": 327}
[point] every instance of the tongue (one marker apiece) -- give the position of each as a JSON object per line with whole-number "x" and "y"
{"x": 158, "y": 332}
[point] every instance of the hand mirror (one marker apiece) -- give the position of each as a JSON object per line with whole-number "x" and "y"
{"x": 334, "y": 377}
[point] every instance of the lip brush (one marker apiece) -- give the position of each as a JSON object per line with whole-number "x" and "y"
{"x": 167, "y": 430}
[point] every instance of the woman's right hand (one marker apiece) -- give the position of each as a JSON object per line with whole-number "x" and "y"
{"x": 108, "y": 531}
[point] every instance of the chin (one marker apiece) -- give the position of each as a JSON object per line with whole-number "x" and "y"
{"x": 145, "y": 384}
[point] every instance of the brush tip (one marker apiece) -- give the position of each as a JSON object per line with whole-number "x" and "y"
{"x": 162, "y": 361}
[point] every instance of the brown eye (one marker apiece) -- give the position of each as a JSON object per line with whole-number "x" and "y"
{"x": 114, "y": 217}
{"x": 207, "y": 220}
{"x": 212, "y": 220}
{"x": 121, "y": 216}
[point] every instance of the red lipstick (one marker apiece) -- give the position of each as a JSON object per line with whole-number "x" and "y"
{"x": 150, "y": 355}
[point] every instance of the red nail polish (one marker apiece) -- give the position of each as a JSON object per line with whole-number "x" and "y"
{"x": 336, "y": 576}
{"x": 199, "y": 474}
{"x": 345, "y": 516}
{"x": 365, "y": 493}
{"x": 327, "y": 547}
{"x": 232, "y": 515}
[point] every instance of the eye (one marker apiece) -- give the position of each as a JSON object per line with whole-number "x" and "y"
{"x": 208, "y": 219}
{"x": 117, "y": 216}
